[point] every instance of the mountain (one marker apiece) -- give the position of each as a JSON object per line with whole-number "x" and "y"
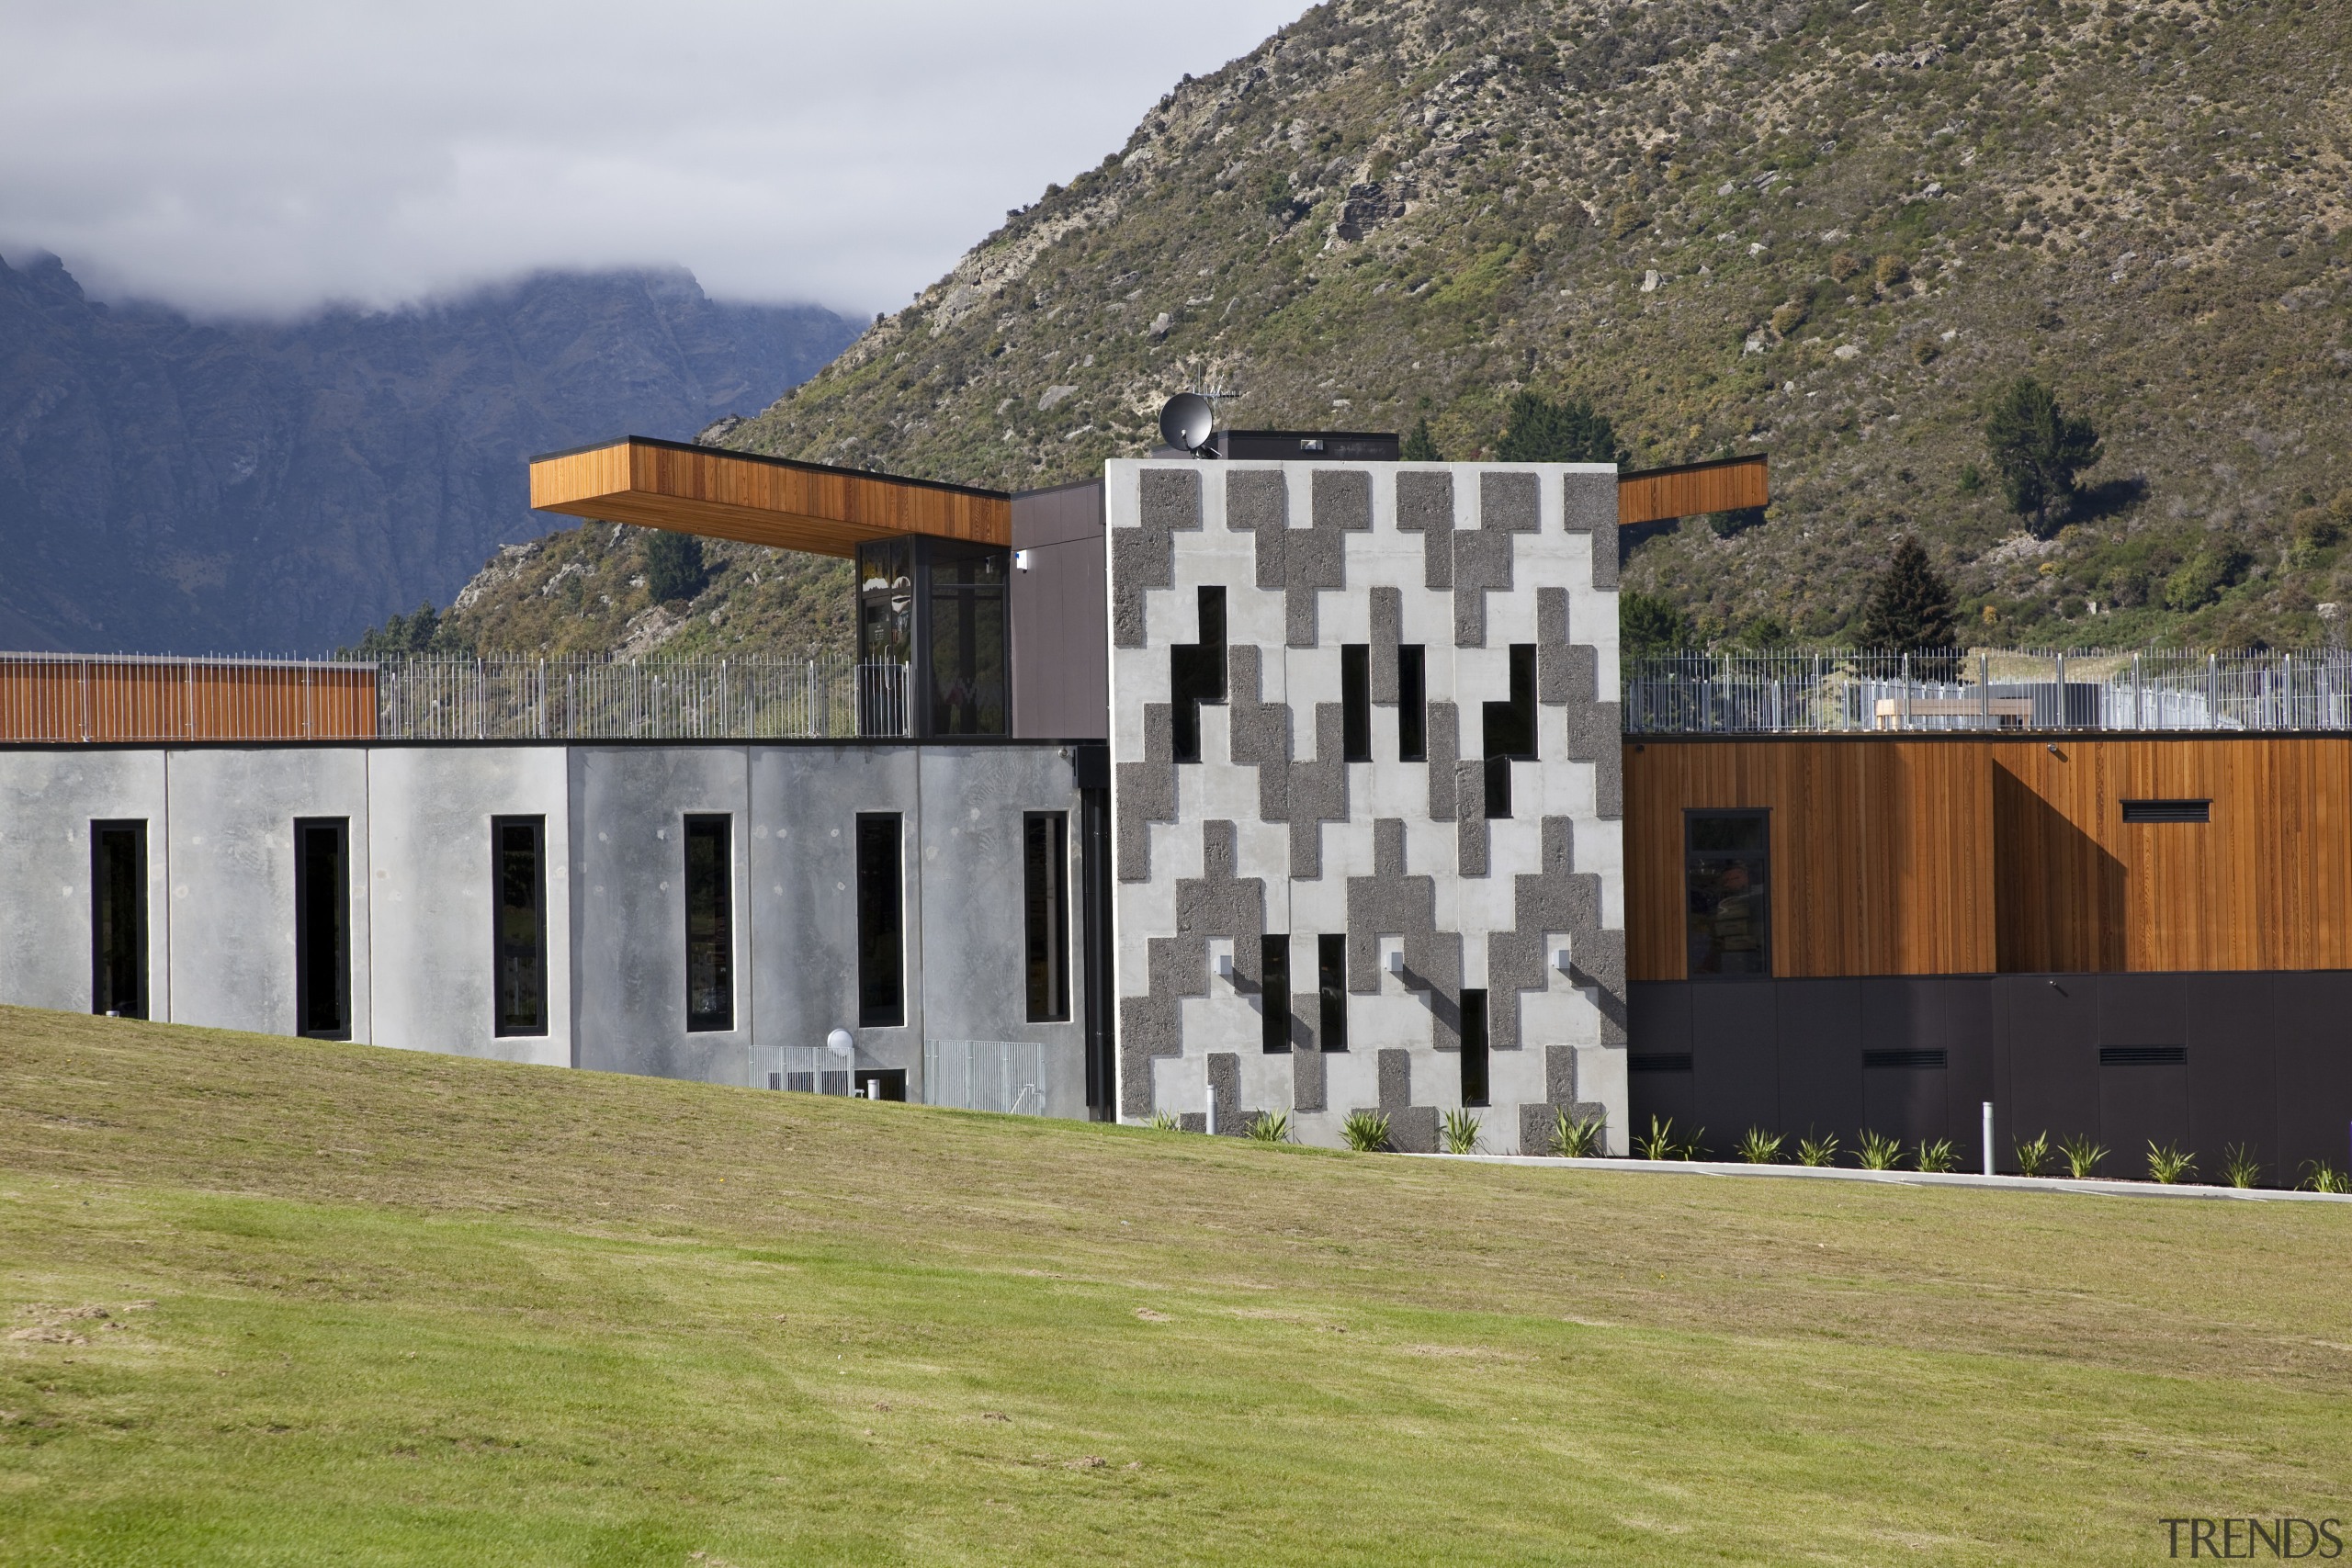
{"x": 1829, "y": 233}
{"x": 171, "y": 485}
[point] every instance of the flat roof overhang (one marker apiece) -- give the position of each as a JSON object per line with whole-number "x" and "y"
{"x": 1687, "y": 489}
{"x": 760, "y": 501}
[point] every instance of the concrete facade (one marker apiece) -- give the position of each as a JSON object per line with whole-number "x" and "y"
{"x": 221, "y": 892}
{"x": 1272, "y": 830}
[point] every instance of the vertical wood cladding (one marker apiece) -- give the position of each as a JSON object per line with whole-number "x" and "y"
{"x": 1976, "y": 856}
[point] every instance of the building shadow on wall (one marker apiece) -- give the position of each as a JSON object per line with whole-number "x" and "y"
{"x": 2058, "y": 895}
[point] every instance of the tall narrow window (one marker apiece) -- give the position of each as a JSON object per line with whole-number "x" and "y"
{"x": 1045, "y": 909}
{"x": 518, "y": 936}
{"x": 966, "y": 632}
{"x": 1197, "y": 675}
{"x": 118, "y": 918}
{"x": 1331, "y": 990}
{"x": 1273, "y": 980}
{"x": 1412, "y": 704}
{"x": 710, "y": 923}
{"x": 1726, "y": 878}
{"x": 881, "y": 947}
{"x": 1509, "y": 730}
{"x": 322, "y": 926}
{"x": 1474, "y": 1045}
{"x": 1355, "y": 702}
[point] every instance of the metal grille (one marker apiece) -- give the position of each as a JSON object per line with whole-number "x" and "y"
{"x": 654, "y": 699}
{"x": 985, "y": 1075}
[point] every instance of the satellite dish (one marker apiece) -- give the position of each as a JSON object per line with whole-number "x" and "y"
{"x": 1184, "y": 420}
{"x": 840, "y": 1042}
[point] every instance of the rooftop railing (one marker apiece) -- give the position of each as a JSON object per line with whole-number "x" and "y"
{"x": 1815, "y": 690}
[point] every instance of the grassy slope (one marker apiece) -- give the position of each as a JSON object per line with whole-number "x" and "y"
{"x": 411, "y": 1309}
{"x": 2142, "y": 201}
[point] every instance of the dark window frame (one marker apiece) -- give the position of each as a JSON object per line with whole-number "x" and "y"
{"x": 1196, "y": 673}
{"x": 1045, "y": 915}
{"x": 881, "y": 920}
{"x": 105, "y": 964}
{"x": 1355, "y": 702}
{"x": 1476, "y": 1085}
{"x": 1332, "y": 992}
{"x": 506, "y": 1023}
{"x": 1692, "y": 857}
{"x": 720, "y": 943}
{"x": 312, "y": 1019}
{"x": 1274, "y": 994}
{"x": 1412, "y": 703}
{"x": 1507, "y": 731}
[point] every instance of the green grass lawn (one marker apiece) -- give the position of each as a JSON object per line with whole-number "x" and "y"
{"x": 365, "y": 1306}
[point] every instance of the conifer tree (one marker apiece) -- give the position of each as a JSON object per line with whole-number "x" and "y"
{"x": 2037, "y": 449}
{"x": 1540, "y": 431}
{"x": 1421, "y": 444}
{"x": 1910, "y": 605}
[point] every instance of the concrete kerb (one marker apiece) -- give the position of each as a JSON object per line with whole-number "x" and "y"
{"x": 2093, "y": 1189}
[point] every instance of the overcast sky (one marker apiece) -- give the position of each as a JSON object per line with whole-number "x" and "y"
{"x": 264, "y": 156}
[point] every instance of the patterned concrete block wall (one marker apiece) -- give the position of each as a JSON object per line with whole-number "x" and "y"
{"x": 1273, "y": 832}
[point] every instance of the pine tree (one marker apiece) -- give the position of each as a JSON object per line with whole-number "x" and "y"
{"x": 1540, "y": 431}
{"x": 2037, "y": 449}
{"x": 1649, "y": 624}
{"x": 1910, "y": 605}
{"x": 673, "y": 566}
{"x": 1420, "y": 444}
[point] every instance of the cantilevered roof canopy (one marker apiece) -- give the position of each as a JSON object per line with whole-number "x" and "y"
{"x": 1728, "y": 484}
{"x": 761, "y": 501}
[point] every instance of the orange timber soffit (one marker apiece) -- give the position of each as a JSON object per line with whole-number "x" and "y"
{"x": 760, "y": 501}
{"x": 1728, "y": 484}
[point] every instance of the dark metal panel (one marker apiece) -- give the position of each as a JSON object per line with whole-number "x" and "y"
{"x": 2140, "y": 1104}
{"x": 2052, "y": 1043}
{"x": 1819, "y": 1026}
{"x": 1061, "y": 637}
{"x": 2233, "y": 1068}
{"x": 1956, "y": 1017}
{"x": 1734, "y": 1077}
{"x": 1659, "y": 1029}
{"x": 1905, "y": 1097}
{"x": 2313, "y": 1031}
{"x": 2142, "y": 1009}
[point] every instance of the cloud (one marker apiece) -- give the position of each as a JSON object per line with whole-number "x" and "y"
{"x": 264, "y": 157}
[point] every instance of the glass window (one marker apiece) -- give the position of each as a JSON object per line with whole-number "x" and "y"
{"x": 322, "y": 926}
{"x": 1045, "y": 904}
{"x": 968, "y": 641}
{"x": 1727, "y": 885}
{"x": 1273, "y": 980}
{"x": 1412, "y": 704}
{"x": 519, "y": 944}
{"x": 881, "y": 974}
{"x": 1474, "y": 1045}
{"x": 1355, "y": 702}
{"x": 710, "y": 924}
{"x": 1331, "y": 990}
{"x": 118, "y": 918}
{"x": 1197, "y": 675}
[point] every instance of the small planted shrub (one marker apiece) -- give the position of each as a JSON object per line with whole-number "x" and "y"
{"x": 1166, "y": 1122}
{"x": 2033, "y": 1155}
{"x": 1936, "y": 1154}
{"x": 1576, "y": 1138}
{"x": 2320, "y": 1176}
{"x": 1878, "y": 1152}
{"x": 1658, "y": 1141}
{"x": 1759, "y": 1147}
{"x": 2168, "y": 1165}
{"x": 1461, "y": 1133}
{"x": 1818, "y": 1151}
{"x": 2081, "y": 1155}
{"x": 2239, "y": 1167}
{"x": 1269, "y": 1127}
{"x": 1366, "y": 1132}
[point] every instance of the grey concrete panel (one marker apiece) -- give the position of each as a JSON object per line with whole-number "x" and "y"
{"x": 1213, "y": 905}
{"x": 1259, "y": 731}
{"x": 1510, "y": 502}
{"x": 1144, "y": 558}
{"x": 1445, "y": 755}
{"x": 628, "y": 809}
{"x": 433, "y": 894}
{"x": 1481, "y": 561}
{"x": 1224, "y": 1073}
{"x": 1395, "y": 1069}
{"x": 1590, "y": 507}
{"x": 1412, "y": 1129}
{"x": 1387, "y": 632}
{"x": 231, "y": 857}
{"x": 1144, "y": 793}
{"x": 1469, "y": 816}
{"x": 1257, "y": 501}
{"x": 1557, "y": 899}
{"x": 1062, "y": 673}
{"x": 1307, "y": 1077}
{"x": 972, "y": 956}
{"x": 47, "y": 800}
{"x": 1425, "y": 506}
{"x": 1318, "y": 792}
{"x": 1391, "y": 903}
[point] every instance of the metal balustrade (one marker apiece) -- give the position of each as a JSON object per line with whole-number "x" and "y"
{"x": 1809, "y": 691}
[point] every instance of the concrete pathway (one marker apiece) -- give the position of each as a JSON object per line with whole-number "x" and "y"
{"x": 2095, "y": 1189}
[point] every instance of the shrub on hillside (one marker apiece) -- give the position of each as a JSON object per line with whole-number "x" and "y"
{"x": 673, "y": 566}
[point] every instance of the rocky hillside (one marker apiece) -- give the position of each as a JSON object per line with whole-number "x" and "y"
{"x": 172, "y": 486}
{"x": 1829, "y": 231}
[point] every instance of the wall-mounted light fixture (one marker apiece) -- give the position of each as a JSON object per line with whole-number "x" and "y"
{"x": 1021, "y": 560}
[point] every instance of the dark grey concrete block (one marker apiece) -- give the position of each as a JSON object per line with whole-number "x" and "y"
{"x": 1387, "y": 632}
{"x": 1446, "y": 752}
{"x": 1306, "y": 1076}
{"x": 1589, "y": 506}
{"x": 1144, "y": 558}
{"x": 1412, "y": 1129}
{"x": 1395, "y": 1078}
{"x": 1425, "y": 506}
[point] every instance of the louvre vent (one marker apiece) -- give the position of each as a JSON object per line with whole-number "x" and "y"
{"x": 1925, "y": 1057}
{"x": 2167, "y": 811}
{"x": 2144, "y": 1055}
{"x": 1659, "y": 1062}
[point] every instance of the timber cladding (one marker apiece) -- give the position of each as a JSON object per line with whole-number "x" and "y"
{"x": 758, "y": 499}
{"x": 1963, "y": 855}
{"x": 1726, "y": 484}
{"x": 51, "y": 698}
